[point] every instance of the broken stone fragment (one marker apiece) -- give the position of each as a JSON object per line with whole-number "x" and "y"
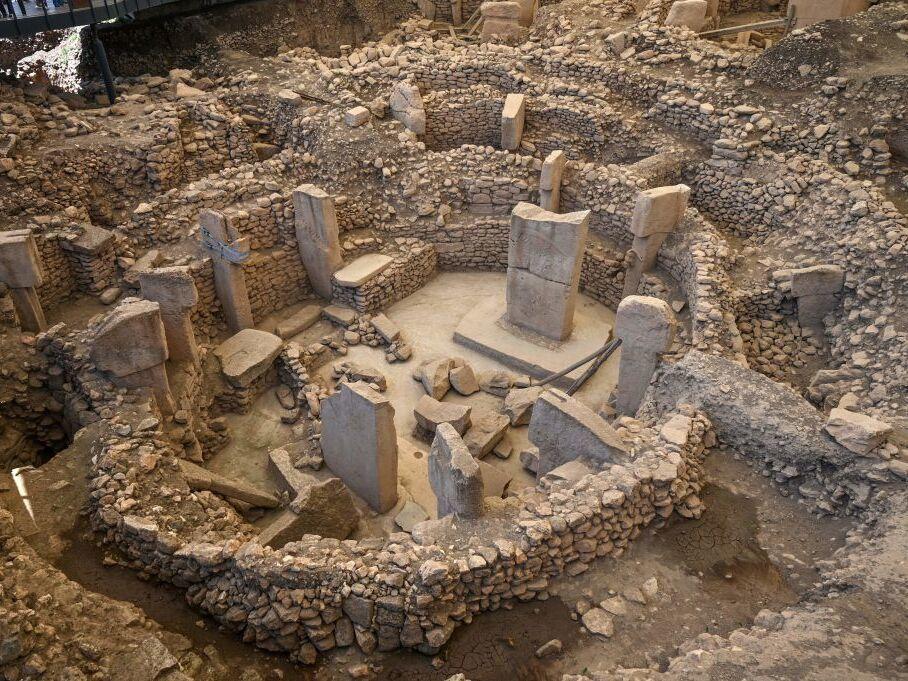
{"x": 599, "y": 622}
{"x": 518, "y": 405}
{"x": 859, "y": 433}
{"x": 487, "y": 430}
{"x": 247, "y": 355}
{"x": 495, "y": 382}
{"x": 463, "y": 380}
{"x": 430, "y": 413}
{"x": 433, "y": 374}
{"x": 455, "y": 475}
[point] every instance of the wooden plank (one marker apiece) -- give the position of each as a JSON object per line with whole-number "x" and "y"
{"x": 732, "y": 30}
{"x": 199, "y": 478}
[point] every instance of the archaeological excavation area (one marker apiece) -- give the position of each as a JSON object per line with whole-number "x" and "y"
{"x": 456, "y": 341}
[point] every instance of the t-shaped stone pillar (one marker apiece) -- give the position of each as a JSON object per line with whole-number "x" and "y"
{"x": 646, "y": 327}
{"x": 455, "y": 476}
{"x": 317, "y": 236}
{"x": 130, "y": 344}
{"x": 815, "y": 289}
{"x": 229, "y": 279}
{"x": 657, "y": 213}
{"x": 550, "y": 181}
{"x": 513, "y": 115}
{"x": 544, "y": 257}
{"x": 20, "y": 269}
{"x": 173, "y": 288}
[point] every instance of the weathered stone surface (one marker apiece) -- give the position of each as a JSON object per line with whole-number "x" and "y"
{"x": 463, "y": 379}
{"x": 688, "y": 13}
{"x": 513, "y": 115}
{"x": 359, "y": 443}
{"x": 857, "y": 432}
{"x": 362, "y": 270}
{"x": 20, "y": 263}
{"x": 325, "y": 509}
{"x": 410, "y": 515}
{"x": 317, "y": 236}
{"x": 430, "y": 413}
{"x": 487, "y": 430}
{"x": 298, "y": 322}
{"x": 454, "y": 475}
{"x": 544, "y": 258}
{"x": 518, "y": 405}
{"x": 564, "y": 429}
{"x": 646, "y": 327}
{"x": 247, "y": 355}
{"x": 433, "y": 374}
{"x": 199, "y": 478}
{"x": 386, "y": 328}
{"x": 599, "y": 622}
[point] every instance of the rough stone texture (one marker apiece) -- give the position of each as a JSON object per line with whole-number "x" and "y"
{"x": 317, "y": 236}
{"x": 564, "y": 429}
{"x": 430, "y": 413}
{"x": 544, "y": 259}
{"x": 434, "y": 376}
{"x": 324, "y": 509}
{"x": 246, "y": 355}
{"x": 455, "y": 475}
{"x": 518, "y": 405}
{"x": 359, "y": 443}
{"x": 688, "y": 13}
{"x": 487, "y": 431}
{"x": 857, "y": 432}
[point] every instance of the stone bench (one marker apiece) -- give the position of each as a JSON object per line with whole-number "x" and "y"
{"x": 362, "y": 270}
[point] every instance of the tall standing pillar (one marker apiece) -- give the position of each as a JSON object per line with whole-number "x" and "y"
{"x": 545, "y": 252}
{"x": 657, "y": 213}
{"x": 550, "y": 181}
{"x": 228, "y": 251}
{"x": 131, "y": 346}
{"x": 646, "y": 327}
{"x": 173, "y": 288}
{"x": 20, "y": 269}
{"x": 317, "y": 236}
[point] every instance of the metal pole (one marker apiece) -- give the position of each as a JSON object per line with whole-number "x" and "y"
{"x": 575, "y": 365}
{"x": 103, "y": 65}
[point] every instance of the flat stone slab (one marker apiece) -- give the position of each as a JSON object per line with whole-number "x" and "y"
{"x": 483, "y": 329}
{"x": 247, "y": 355}
{"x": 362, "y": 270}
{"x": 298, "y": 321}
{"x": 339, "y": 315}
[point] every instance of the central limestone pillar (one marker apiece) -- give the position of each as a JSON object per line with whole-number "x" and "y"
{"x": 545, "y": 253}
{"x": 317, "y": 236}
{"x": 20, "y": 269}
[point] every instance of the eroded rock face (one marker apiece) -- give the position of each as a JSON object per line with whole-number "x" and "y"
{"x": 455, "y": 475}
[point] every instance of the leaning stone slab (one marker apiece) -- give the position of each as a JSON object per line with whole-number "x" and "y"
{"x": 298, "y": 322}
{"x": 20, "y": 262}
{"x": 430, "y": 413}
{"x": 463, "y": 379}
{"x": 362, "y": 270}
{"x": 130, "y": 339}
{"x": 247, "y": 355}
{"x": 290, "y": 478}
{"x": 199, "y": 478}
{"x": 434, "y": 376}
{"x": 857, "y": 432}
{"x": 571, "y": 473}
{"x": 564, "y": 429}
{"x": 455, "y": 476}
{"x": 325, "y": 509}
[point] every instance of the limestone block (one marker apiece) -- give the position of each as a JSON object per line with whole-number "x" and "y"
{"x": 298, "y": 322}
{"x": 130, "y": 339}
{"x": 429, "y": 413}
{"x": 487, "y": 431}
{"x": 550, "y": 181}
{"x": 659, "y": 210}
{"x": 544, "y": 257}
{"x": 407, "y": 107}
{"x": 513, "y": 117}
{"x": 172, "y": 287}
{"x": 646, "y": 327}
{"x": 500, "y": 21}
{"x": 20, "y": 263}
{"x": 455, "y": 476}
{"x": 518, "y": 405}
{"x": 247, "y": 355}
{"x": 359, "y": 443}
{"x": 809, "y": 12}
{"x": 817, "y": 280}
{"x": 316, "y": 227}
{"x": 199, "y": 478}
{"x": 689, "y": 13}
{"x": 325, "y": 509}
{"x": 859, "y": 433}
{"x": 564, "y": 429}
{"x": 463, "y": 380}
{"x": 357, "y": 116}
{"x": 386, "y": 328}
{"x": 434, "y": 376}
{"x": 362, "y": 270}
